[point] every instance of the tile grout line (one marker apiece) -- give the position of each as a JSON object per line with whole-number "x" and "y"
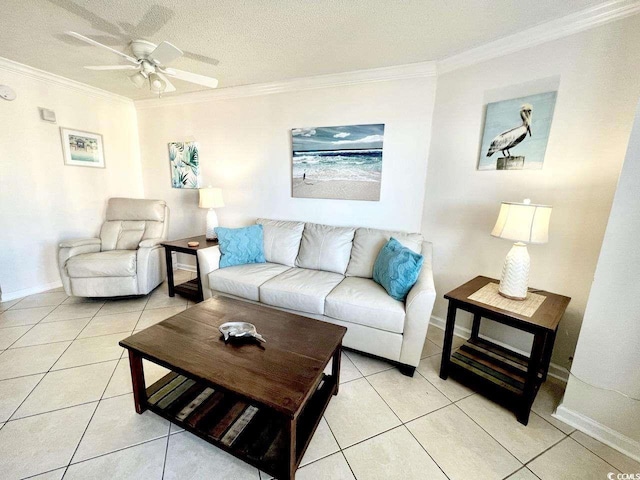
{"x": 348, "y": 464}
{"x": 545, "y": 451}
{"x": 49, "y": 370}
{"x": 67, "y": 407}
{"x": 403, "y": 424}
{"x": 166, "y": 452}
{"x": 115, "y": 367}
{"x": 596, "y": 454}
{"x": 494, "y": 439}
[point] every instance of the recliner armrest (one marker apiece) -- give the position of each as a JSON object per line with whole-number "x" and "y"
{"x": 208, "y": 261}
{"x": 150, "y": 242}
{"x": 79, "y": 242}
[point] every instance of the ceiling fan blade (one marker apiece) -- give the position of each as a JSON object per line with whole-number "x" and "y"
{"x": 169, "y": 87}
{"x": 192, "y": 77}
{"x": 98, "y": 44}
{"x": 113, "y": 67}
{"x": 165, "y": 53}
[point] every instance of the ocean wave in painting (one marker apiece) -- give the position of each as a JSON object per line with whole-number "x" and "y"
{"x": 352, "y": 165}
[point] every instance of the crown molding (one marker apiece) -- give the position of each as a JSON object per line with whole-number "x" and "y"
{"x": 399, "y": 72}
{"x": 562, "y": 27}
{"x": 51, "y": 78}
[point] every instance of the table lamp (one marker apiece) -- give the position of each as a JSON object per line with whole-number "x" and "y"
{"x": 524, "y": 223}
{"x": 211, "y": 198}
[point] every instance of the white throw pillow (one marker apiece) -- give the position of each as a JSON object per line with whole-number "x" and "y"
{"x": 281, "y": 240}
{"x": 325, "y": 248}
{"x": 367, "y": 245}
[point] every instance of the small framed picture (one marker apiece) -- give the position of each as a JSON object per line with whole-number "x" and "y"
{"x": 82, "y": 149}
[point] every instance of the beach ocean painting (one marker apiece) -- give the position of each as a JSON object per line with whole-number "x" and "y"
{"x": 337, "y": 162}
{"x": 516, "y": 133}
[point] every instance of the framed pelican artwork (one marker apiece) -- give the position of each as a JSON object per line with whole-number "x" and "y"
{"x": 516, "y": 133}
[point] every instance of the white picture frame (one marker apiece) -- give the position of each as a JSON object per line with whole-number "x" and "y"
{"x": 82, "y": 149}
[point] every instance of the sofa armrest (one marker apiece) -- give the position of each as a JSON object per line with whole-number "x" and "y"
{"x": 150, "y": 242}
{"x": 79, "y": 242}
{"x": 418, "y": 307}
{"x": 208, "y": 261}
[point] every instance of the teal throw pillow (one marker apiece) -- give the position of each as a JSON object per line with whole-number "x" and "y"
{"x": 239, "y": 246}
{"x": 397, "y": 269}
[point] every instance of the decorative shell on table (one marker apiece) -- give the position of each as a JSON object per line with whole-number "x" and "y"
{"x": 240, "y": 330}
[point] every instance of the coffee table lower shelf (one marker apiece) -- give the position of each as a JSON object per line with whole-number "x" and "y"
{"x": 252, "y": 433}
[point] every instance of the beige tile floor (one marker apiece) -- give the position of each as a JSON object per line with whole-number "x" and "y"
{"x": 382, "y": 425}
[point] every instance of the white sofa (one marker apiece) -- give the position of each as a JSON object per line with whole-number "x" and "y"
{"x": 325, "y": 272}
{"x": 127, "y": 258}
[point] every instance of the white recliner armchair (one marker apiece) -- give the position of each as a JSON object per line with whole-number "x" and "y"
{"x": 127, "y": 259}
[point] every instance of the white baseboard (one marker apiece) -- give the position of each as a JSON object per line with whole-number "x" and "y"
{"x": 600, "y": 432}
{"x": 186, "y": 266}
{"x": 30, "y": 291}
{"x": 555, "y": 370}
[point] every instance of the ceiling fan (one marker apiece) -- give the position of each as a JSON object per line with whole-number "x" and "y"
{"x": 151, "y": 62}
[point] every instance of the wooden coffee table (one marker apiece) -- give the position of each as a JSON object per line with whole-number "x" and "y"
{"x": 259, "y": 402}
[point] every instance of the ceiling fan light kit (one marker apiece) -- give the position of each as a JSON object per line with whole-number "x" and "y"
{"x": 138, "y": 79}
{"x": 151, "y": 62}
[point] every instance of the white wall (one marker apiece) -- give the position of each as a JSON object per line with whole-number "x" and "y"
{"x": 42, "y": 201}
{"x": 598, "y": 73}
{"x": 245, "y": 148}
{"x": 607, "y": 355}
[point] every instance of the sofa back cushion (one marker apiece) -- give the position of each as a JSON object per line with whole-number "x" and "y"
{"x": 281, "y": 240}
{"x": 325, "y": 248}
{"x": 131, "y": 220}
{"x": 367, "y": 244}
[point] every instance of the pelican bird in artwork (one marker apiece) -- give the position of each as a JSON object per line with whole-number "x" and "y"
{"x": 512, "y": 137}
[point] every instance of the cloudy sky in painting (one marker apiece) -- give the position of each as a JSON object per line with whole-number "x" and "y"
{"x": 352, "y": 137}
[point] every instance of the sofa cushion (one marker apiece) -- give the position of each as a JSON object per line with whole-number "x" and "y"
{"x": 325, "y": 248}
{"x": 281, "y": 240}
{"x": 300, "y": 289}
{"x": 363, "y": 301}
{"x": 239, "y": 246}
{"x": 114, "y": 263}
{"x": 244, "y": 280}
{"x": 367, "y": 244}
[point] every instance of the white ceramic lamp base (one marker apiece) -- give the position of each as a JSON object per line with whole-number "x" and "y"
{"x": 515, "y": 273}
{"x": 212, "y": 223}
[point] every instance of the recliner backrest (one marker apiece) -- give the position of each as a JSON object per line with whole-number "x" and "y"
{"x": 130, "y": 220}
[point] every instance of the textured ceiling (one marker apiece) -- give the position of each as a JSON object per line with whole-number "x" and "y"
{"x": 254, "y": 41}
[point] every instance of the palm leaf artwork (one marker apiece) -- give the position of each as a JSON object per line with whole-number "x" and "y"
{"x": 185, "y": 164}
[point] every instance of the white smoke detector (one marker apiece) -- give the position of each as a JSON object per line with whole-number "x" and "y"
{"x": 7, "y": 93}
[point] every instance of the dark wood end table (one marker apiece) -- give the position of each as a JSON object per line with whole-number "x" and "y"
{"x": 510, "y": 372}
{"x": 193, "y": 288}
{"x": 214, "y": 385}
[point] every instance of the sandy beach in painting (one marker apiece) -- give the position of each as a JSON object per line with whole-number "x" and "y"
{"x": 338, "y": 189}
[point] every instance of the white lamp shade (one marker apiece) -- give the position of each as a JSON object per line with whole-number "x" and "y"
{"x": 523, "y": 222}
{"x": 211, "y": 198}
